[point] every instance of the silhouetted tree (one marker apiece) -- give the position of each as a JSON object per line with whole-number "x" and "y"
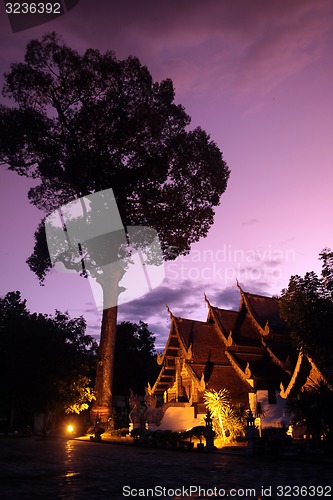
{"x": 307, "y": 306}
{"x": 45, "y": 361}
{"x": 135, "y": 359}
{"x": 314, "y": 407}
{"x": 85, "y": 123}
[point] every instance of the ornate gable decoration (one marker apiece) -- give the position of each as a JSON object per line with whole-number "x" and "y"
{"x": 251, "y": 344}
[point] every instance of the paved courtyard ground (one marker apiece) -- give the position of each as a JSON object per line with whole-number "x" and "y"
{"x": 32, "y": 468}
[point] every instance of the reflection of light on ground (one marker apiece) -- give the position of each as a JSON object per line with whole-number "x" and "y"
{"x": 70, "y": 478}
{"x": 71, "y": 474}
{"x": 69, "y": 450}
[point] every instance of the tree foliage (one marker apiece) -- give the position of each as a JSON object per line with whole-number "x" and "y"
{"x": 85, "y": 123}
{"x": 82, "y": 124}
{"x": 307, "y": 306}
{"x": 135, "y": 361}
{"x": 314, "y": 407}
{"x": 46, "y": 362}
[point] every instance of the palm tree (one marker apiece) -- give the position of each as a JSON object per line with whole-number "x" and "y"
{"x": 218, "y": 403}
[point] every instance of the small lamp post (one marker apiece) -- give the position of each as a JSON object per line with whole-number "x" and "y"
{"x": 250, "y": 419}
{"x": 252, "y": 434}
{"x": 209, "y": 434}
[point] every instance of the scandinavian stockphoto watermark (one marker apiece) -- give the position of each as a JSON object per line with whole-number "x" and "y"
{"x": 87, "y": 236}
{"x": 227, "y": 264}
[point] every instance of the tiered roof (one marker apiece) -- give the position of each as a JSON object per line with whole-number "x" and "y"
{"x": 305, "y": 374}
{"x": 266, "y": 313}
{"x": 240, "y": 350}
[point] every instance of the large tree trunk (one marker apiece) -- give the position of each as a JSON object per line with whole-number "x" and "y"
{"x": 102, "y": 406}
{"x": 104, "y": 371}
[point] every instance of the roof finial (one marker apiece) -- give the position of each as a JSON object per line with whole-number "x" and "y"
{"x": 206, "y": 300}
{"x": 168, "y": 309}
{"x": 237, "y": 283}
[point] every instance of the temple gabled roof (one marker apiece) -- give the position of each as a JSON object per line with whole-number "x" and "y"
{"x": 224, "y": 319}
{"x": 245, "y": 331}
{"x": 258, "y": 318}
{"x": 230, "y": 348}
{"x": 197, "y": 342}
{"x": 306, "y": 374}
{"x": 222, "y": 376}
{"x": 202, "y": 339}
{"x": 266, "y": 312}
{"x": 259, "y": 367}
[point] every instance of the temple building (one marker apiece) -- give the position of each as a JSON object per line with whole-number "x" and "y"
{"x": 248, "y": 352}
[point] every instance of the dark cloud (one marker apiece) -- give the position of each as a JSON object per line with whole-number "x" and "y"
{"x": 185, "y": 299}
{"x": 228, "y": 298}
{"x": 171, "y": 294}
{"x": 259, "y": 287}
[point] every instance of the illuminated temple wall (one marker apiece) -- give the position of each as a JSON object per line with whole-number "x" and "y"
{"x": 178, "y": 418}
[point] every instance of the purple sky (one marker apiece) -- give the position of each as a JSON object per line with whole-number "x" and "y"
{"x": 257, "y": 76}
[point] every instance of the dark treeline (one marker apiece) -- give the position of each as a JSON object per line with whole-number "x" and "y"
{"x": 48, "y": 363}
